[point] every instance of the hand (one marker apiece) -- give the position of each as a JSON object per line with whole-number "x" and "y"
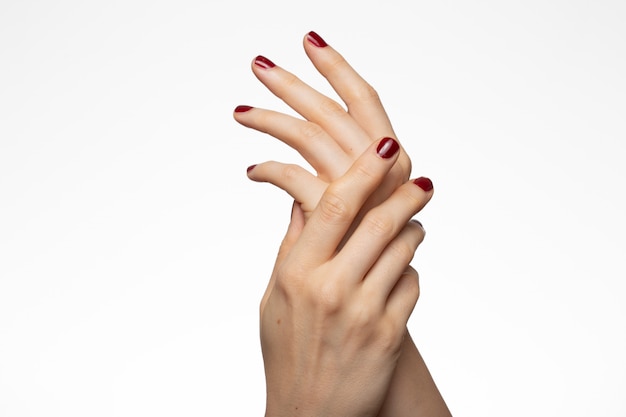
{"x": 333, "y": 321}
{"x": 330, "y": 138}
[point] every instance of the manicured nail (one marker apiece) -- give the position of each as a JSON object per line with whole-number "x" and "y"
{"x": 387, "y": 148}
{"x": 316, "y": 39}
{"x": 262, "y": 62}
{"x": 242, "y": 109}
{"x": 424, "y": 183}
{"x": 417, "y": 222}
{"x": 250, "y": 168}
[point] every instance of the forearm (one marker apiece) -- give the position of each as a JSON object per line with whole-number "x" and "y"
{"x": 413, "y": 392}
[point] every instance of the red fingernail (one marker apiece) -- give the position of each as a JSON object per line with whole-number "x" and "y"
{"x": 316, "y": 39}
{"x": 262, "y": 62}
{"x": 250, "y": 168}
{"x": 424, "y": 183}
{"x": 242, "y": 109}
{"x": 387, "y": 148}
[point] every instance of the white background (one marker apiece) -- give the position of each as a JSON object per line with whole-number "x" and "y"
{"x": 134, "y": 251}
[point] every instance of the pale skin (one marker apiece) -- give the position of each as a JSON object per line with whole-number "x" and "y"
{"x": 333, "y": 318}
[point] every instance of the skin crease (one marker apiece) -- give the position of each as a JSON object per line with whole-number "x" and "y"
{"x": 331, "y": 139}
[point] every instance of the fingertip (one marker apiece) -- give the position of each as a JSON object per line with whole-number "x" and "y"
{"x": 387, "y": 147}
{"x": 424, "y": 183}
{"x": 242, "y": 108}
{"x": 405, "y": 293}
{"x": 250, "y": 172}
{"x": 418, "y": 223}
{"x": 316, "y": 40}
{"x": 239, "y": 112}
{"x": 412, "y": 272}
{"x": 262, "y": 62}
{"x": 420, "y": 231}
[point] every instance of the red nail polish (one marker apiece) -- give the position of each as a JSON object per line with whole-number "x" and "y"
{"x": 262, "y": 62}
{"x": 387, "y": 148}
{"x": 242, "y": 109}
{"x": 316, "y": 39}
{"x": 250, "y": 168}
{"x": 424, "y": 183}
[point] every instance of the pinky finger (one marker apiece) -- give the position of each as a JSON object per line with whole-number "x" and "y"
{"x": 403, "y": 296}
{"x": 299, "y": 183}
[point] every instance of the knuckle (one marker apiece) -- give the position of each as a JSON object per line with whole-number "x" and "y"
{"x": 378, "y": 225}
{"x": 289, "y": 80}
{"x": 289, "y": 172}
{"x": 410, "y": 285}
{"x": 327, "y": 296}
{"x": 362, "y": 315}
{"x": 414, "y": 278}
{"x": 365, "y": 93}
{"x": 364, "y": 173}
{"x": 402, "y": 250}
{"x": 332, "y": 108}
{"x": 289, "y": 274}
{"x": 333, "y": 208}
{"x": 312, "y": 131}
{"x": 337, "y": 65}
{"x": 413, "y": 287}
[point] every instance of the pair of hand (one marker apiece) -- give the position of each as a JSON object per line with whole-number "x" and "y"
{"x": 333, "y": 317}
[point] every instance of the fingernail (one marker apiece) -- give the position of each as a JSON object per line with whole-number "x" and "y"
{"x": 424, "y": 183}
{"x": 262, "y": 62}
{"x": 250, "y": 168}
{"x": 387, "y": 148}
{"x": 417, "y": 222}
{"x": 242, "y": 109}
{"x": 316, "y": 39}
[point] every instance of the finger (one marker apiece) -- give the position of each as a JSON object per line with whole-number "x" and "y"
{"x": 293, "y": 232}
{"x": 403, "y": 297}
{"x": 303, "y": 186}
{"x": 360, "y": 97}
{"x": 312, "y": 105}
{"x": 383, "y": 276}
{"x": 309, "y": 139}
{"x": 382, "y": 224}
{"x": 342, "y": 200}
